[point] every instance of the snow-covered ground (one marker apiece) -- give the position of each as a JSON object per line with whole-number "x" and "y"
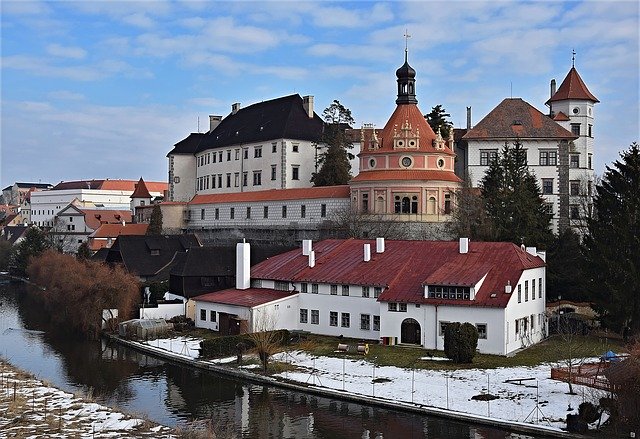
{"x": 186, "y": 347}
{"x": 40, "y": 410}
{"x": 451, "y": 390}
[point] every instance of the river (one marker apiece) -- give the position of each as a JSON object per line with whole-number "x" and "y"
{"x": 171, "y": 395}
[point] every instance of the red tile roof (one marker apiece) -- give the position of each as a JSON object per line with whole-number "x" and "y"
{"x": 275, "y": 195}
{"x": 573, "y": 87}
{"x": 95, "y": 217}
{"x": 112, "y": 185}
{"x": 406, "y": 174}
{"x": 515, "y": 118}
{"x": 141, "y": 190}
{"x": 114, "y": 230}
{"x": 561, "y": 117}
{"x": 249, "y": 298}
{"x": 406, "y": 266}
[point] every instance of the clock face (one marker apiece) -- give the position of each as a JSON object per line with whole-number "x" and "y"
{"x": 406, "y": 162}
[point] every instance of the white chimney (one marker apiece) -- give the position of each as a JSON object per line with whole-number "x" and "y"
{"x": 464, "y": 245}
{"x": 307, "y": 104}
{"x": 214, "y": 121}
{"x": 542, "y": 255}
{"x": 306, "y": 246}
{"x": 243, "y": 265}
{"x": 235, "y": 107}
{"x": 379, "y": 245}
{"x": 532, "y": 251}
{"x": 312, "y": 259}
{"x": 367, "y": 252}
{"x": 507, "y": 287}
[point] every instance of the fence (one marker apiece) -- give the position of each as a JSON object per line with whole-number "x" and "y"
{"x": 589, "y": 374}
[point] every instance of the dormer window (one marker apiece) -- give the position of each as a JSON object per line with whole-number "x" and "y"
{"x": 155, "y": 252}
{"x": 448, "y": 292}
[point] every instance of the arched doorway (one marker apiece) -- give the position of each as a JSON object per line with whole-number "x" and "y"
{"x": 410, "y": 332}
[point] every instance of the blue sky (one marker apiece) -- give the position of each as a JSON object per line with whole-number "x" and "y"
{"x": 97, "y": 89}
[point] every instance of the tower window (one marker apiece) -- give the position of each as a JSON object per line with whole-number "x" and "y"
{"x": 575, "y": 129}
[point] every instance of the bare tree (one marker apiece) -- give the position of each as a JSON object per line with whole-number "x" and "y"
{"x": 570, "y": 349}
{"x": 369, "y": 225}
{"x": 265, "y": 337}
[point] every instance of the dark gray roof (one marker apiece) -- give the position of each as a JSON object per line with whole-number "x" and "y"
{"x": 12, "y": 233}
{"x": 281, "y": 118}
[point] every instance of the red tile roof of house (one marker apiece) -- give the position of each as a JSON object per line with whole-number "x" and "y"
{"x": 406, "y": 266}
{"x": 114, "y": 230}
{"x": 96, "y": 217}
{"x": 275, "y": 195}
{"x": 561, "y": 117}
{"x": 406, "y": 174}
{"x": 515, "y": 118}
{"x": 573, "y": 87}
{"x": 112, "y": 185}
{"x": 248, "y": 298}
{"x": 141, "y": 190}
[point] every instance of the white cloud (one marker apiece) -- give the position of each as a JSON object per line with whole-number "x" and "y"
{"x": 66, "y": 51}
{"x": 65, "y": 95}
{"x": 139, "y": 20}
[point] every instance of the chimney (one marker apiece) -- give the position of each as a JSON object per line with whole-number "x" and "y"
{"x": 464, "y": 246}
{"x": 553, "y": 87}
{"x": 532, "y": 251}
{"x": 214, "y": 121}
{"x": 367, "y": 252}
{"x": 307, "y": 104}
{"x": 542, "y": 255}
{"x": 507, "y": 287}
{"x": 312, "y": 259}
{"x": 379, "y": 245}
{"x": 306, "y": 246}
{"x": 243, "y": 265}
{"x": 235, "y": 107}
{"x": 468, "y": 118}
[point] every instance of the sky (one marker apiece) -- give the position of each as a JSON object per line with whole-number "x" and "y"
{"x": 104, "y": 89}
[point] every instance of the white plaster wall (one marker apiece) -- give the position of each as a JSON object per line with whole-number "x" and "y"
{"x": 280, "y": 314}
{"x": 526, "y": 308}
{"x": 243, "y": 313}
{"x": 163, "y": 311}
{"x": 182, "y": 166}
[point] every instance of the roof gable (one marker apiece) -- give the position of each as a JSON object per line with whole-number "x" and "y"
{"x": 515, "y": 118}
{"x": 141, "y": 190}
{"x": 573, "y": 87}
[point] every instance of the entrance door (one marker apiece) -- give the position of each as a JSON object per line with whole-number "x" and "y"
{"x": 410, "y": 332}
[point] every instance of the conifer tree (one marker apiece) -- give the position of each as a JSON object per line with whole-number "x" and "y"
{"x": 612, "y": 246}
{"x": 437, "y": 119}
{"x": 335, "y": 168}
{"x": 35, "y": 242}
{"x": 155, "y": 223}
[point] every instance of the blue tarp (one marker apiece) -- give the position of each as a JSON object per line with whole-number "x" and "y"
{"x": 610, "y": 356}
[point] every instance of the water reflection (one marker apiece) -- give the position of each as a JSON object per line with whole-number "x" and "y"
{"x": 171, "y": 394}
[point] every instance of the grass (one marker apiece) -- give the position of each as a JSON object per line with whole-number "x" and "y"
{"x": 549, "y": 351}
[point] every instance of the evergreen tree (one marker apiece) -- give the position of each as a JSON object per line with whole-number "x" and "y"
{"x": 35, "y": 242}
{"x": 437, "y": 119}
{"x": 513, "y": 201}
{"x": 155, "y": 223}
{"x": 565, "y": 267}
{"x": 612, "y": 246}
{"x": 470, "y": 219}
{"x": 84, "y": 253}
{"x": 334, "y": 163}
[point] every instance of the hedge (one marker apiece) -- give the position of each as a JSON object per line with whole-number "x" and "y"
{"x": 228, "y": 345}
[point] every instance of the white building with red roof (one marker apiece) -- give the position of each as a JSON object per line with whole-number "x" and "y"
{"x": 393, "y": 291}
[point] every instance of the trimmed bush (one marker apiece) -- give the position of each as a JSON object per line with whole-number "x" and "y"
{"x": 228, "y": 345}
{"x": 460, "y": 342}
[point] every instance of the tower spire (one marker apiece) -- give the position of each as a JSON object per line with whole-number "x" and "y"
{"x": 573, "y": 58}
{"x": 406, "y": 77}
{"x": 406, "y": 45}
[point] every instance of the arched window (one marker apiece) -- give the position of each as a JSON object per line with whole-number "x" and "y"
{"x": 431, "y": 206}
{"x": 405, "y": 205}
{"x": 396, "y": 204}
{"x": 380, "y": 205}
{"x": 414, "y": 204}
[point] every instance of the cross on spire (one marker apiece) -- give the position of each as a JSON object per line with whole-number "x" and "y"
{"x": 573, "y": 58}
{"x": 406, "y": 44}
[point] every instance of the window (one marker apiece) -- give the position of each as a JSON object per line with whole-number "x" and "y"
{"x": 248, "y": 212}
{"x": 228, "y": 180}
{"x": 589, "y": 188}
{"x": 519, "y": 293}
{"x": 447, "y": 204}
{"x": 443, "y": 328}
{"x": 295, "y": 147}
{"x": 314, "y": 288}
{"x": 304, "y": 287}
{"x": 295, "y": 172}
{"x": 237, "y": 154}
{"x": 220, "y": 156}
{"x": 212, "y": 314}
{"x": 449, "y": 292}
{"x": 265, "y": 214}
{"x": 215, "y": 157}
{"x": 487, "y": 156}
{"x": 229, "y": 155}
{"x": 217, "y": 213}
{"x": 392, "y": 306}
{"x": 304, "y": 315}
{"x": 273, "y": 172}
{"x": 365, "y": 203}
{"x": 548, "y": 158}
{"x": 284, "y": 211}
{"x": 574, "y": 212}
{"x": 589, "y": 130}
{"x": 257, "y": 178}
{"x": 574, "y": 161}
{"x": 236, "y": 179}
{"x": 377, "y": 291}
{"x": 365, "y": 322}
{"x": 333, "y": 318}
{"x": 345, "y": 321}
{"x": 547, "y": 186}
{"x": 257, "y": 152}
{"x": 303, "y": 211}
{"x": 539, "y": 288}
{"x": 245, "y": 178}
{"x": 345, "y": 290}
{"x": 526, "y": 290}
{"x": 365, "y": 291}
{"x": 315, "y": 316}
{"x": 274, "y": 147}
{"x": 482, "y": 330}
{"x": 589, "y": 158}
{"x": 533, "y": 289}
{"x": 281, "y": 285}
{"x": 245, "y": 153}
{"x": 334, "y": 290}
{"x": 376, "y": 323}
{"x": 203, "y": 312}
{"x": 575, "y": 129}
{"x": 574, "y": 188}
{"x": 323, "y": 210}
{"x": 402, "y": 307}
{"x": 232, "y": 213}
{"x": 549, "y": 207}
{"x": 201, "y": 214}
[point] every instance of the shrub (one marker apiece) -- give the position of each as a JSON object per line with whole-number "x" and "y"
{"x": 460, "y": 342}
{"x": 228, "y": 345}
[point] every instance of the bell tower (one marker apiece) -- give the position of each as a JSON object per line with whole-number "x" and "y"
{"x": 406, "y": 79}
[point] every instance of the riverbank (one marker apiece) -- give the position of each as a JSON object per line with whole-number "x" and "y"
{"x": 32, "y": 408}
{"x": 398, "y": 389}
